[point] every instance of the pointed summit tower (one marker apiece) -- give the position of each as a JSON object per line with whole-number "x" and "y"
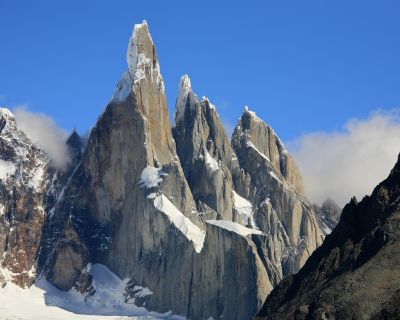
{"x": 128, "y": 204}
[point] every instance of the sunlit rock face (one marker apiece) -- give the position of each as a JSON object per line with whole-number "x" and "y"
{"x": 209, "y": 225}
{"x": 271, "y": 181}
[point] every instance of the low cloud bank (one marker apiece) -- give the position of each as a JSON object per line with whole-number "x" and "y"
{"x": 350, "y": 162}
{"x": 45, "y": 133}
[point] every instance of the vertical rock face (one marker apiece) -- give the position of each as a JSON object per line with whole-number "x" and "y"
{"x": 128, "y": 205}
{"x": 257, "y": 135}
{"x": 271, "y": 181}
{"x": 256, "y": 170}
{"x": 23, "y": 182}
{"x": 355, "y": 273}
{"x": 205, "y": 153}
{"x": 208, "y": 225}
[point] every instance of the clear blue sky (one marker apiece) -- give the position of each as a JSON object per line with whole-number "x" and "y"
{"x": 301, "y": 65}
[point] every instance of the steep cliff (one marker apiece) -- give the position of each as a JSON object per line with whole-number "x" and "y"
{"x": 272, "y": 183}
{"x": 188, "y": 220}
{"x": 128, "y": 206}
{"x": 253, "y": 181}
{"x": 205, "y": 152}
{"x": 24, "y": 173}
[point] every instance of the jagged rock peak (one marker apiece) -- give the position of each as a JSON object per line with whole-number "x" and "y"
{"x": 141, "y": 51}
{"x": 205, "y": 102}
{"x": 75, "y": 143}
{"x": 6, "y": 117}
{"x": 248, "y": 112}
{"x": 254, "y": 133}
{"x": 185, "y": 87}
{"x": 185, "y": 92}
{"x": 6, "y": 113}
{"x": 74, "y": 137}
{"x": 142, "y": 63}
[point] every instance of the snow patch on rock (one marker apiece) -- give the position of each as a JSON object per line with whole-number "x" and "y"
{"x": 326, "y": 229}
{"x": 245, "y": 210}
{"x": 151, "y": 177}
{"x": 273, "y": 175}
{"x": 188, "y": 228}
{"x": 234, "y": 227}
{"x": 252, "y": 114}
{"x": 211, "y": 163}
{"x": 37, "y": 177}
{"x": 142, "y": 291}
{"x": 249, "y": 144}
{"x": 7, "y": 169}
{"x": 123, "y": 88}
{"x": 7, "y": 114}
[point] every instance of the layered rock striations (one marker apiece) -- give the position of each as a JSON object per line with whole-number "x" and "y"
{"x": 355, "y": 273}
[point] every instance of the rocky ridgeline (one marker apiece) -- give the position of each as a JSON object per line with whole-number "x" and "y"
{"x": 208, "y": 225}
{"x": 355, "y": 274}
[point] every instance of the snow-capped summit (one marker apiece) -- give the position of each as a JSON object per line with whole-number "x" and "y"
{"x": 142, "y": 63}
{"x": 7, "y": 120}
{"x": 248, "y": 112}
{"x": 185, "y": 87}
{"x": 134, "y": 46}
{"x": 138, "y": 197}
{"x": 6, "y": 113}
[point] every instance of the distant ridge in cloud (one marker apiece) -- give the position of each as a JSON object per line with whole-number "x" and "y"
{"x": 45, "y": 133}
{"x": 350, "y": 162}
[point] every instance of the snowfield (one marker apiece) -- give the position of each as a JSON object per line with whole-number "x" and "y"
{"x": 45, "y": 302}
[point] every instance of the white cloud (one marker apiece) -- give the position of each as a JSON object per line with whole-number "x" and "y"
{"x": 228, "y": 126}
{"x": 350, "y": 162}
{"x": 44, "y": 132}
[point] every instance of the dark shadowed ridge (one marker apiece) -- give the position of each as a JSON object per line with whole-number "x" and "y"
{"x": 355, "y": 274}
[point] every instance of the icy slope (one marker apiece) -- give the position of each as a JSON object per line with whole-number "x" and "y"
{"x": 44, "y": 301}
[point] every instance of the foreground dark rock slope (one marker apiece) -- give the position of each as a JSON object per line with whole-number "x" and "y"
{"x": 193, "y": 223}
{"x": 355, "y": 274}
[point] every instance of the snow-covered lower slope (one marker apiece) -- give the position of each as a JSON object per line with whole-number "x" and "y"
{"x": 45, "y": 302}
